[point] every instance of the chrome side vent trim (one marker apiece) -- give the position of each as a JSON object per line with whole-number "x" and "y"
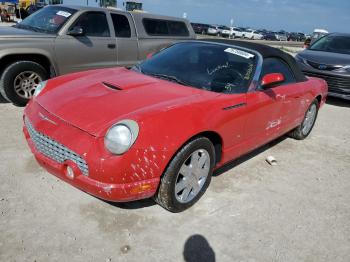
{"x": 111, "y": 86}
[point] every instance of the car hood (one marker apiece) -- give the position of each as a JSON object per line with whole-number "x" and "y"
{"x": 95, "y": 100}
{"x": 13, "y": 32}
{"x": 325, "y": 57}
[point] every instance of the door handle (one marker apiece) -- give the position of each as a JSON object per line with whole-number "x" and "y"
{"x": 111, "y": 46}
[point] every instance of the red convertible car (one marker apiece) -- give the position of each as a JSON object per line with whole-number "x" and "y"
{"x": 159, "y": 129}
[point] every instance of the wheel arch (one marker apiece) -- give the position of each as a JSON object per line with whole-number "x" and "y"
{"x": 214, "y": 137}
{"x": 319, "y": 99}
{"x": 41, "y": 59}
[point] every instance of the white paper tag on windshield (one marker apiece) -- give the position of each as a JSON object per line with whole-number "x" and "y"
{"x": 239, "y": 53}
{"x": 63, "y": 13}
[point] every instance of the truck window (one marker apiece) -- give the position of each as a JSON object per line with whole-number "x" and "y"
{"x": 121, "y": 25}
{"x": 165, "y": 27}
{"x": 94, "y": 24}
{"x": 177, "y": 28}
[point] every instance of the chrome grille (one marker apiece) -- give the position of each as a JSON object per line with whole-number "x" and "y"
{"x": 55, "y": 150}
{"x": 335, "y": 83}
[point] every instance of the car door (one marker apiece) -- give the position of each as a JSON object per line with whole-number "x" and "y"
{"x": 271, "y": 111}
{"x": 289, "y": 92}
{"x": 127, "y": 43}
{"x": 96, "y": 48}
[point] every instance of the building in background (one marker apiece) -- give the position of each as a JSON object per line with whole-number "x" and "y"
{"x": 133, "y": 6}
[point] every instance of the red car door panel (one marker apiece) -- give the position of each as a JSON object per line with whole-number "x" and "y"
{"x": 262, "y": 119}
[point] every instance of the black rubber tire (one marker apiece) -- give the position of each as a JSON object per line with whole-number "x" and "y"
{"x": 8, "y": 76}
{"x": 297, "y": 132}
{"x": 2, "y": 99}
{"x": 165, "y": 195}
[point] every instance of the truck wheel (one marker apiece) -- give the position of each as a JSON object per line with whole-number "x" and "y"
{"x": 304, "y": 129}
{"x": 187, "y": 176}
{"x": 19, "y": 80}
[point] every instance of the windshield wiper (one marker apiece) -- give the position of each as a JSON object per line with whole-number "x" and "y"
{"x": 137, "y": 68}
{"x": 171, "y": 78}
{"x": 28, "y": 27}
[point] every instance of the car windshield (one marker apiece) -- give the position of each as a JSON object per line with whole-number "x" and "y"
{"x": 207, "y": 66}
{"x": 47, "y": 20}
{"x": 333, "y": 43}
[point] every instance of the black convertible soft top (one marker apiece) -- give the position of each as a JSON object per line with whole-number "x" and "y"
{"x": 266, "y": 52}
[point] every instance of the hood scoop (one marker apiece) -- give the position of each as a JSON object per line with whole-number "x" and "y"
{"x": 108, "y": 85}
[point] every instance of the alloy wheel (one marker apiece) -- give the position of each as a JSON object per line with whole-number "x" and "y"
{"x": 192, "y": 176}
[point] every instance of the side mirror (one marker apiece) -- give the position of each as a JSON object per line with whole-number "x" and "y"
{"x": 76, "y": 31}
{"x": 272, "y": 79}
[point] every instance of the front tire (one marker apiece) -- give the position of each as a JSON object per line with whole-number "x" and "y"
{"x": 19, "y": 80}
{"x": 304, "y": 129}
{"x": 187, "y": 176}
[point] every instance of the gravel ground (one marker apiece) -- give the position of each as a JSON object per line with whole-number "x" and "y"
{"x": 298, "y": 210}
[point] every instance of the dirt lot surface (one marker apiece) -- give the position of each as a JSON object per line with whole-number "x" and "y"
{"x": 298, "y": 210}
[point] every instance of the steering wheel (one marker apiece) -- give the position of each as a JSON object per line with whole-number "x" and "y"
{"x": 225, "y": 79}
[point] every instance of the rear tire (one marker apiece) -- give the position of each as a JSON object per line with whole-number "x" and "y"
{"x": 192, "y": 165}
{"x": 304, "y": 129}
{"x": 19, "y": 79}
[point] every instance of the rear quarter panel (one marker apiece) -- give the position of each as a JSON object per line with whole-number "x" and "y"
{"x": 316, "y": 87}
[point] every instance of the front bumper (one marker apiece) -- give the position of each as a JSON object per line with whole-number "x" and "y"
{"x": 109, "y": 178}
{"x": 338, "y": 84}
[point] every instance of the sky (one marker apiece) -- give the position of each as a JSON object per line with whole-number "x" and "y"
{"x": 290, "y": 15}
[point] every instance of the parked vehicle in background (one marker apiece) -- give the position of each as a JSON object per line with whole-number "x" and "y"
{"x": 270, "y": 36}
{"x": 293, "y": 37}
{"x": 297, "y": 37}
{"x": 214, "y": 30}
{"x": 317, "y": 34}
{"x": 253, "y": 34}
{"x": 224, "y": 31}
{"x": 245, "y": 31}
{"x": 62, "y": 39}
{"x": 99, "y": 130}
{"x": 200, "y": 28}
{"x": 329, "y": 58}
{"x": 281, "y": 36}
{"x": 236, "y": 32}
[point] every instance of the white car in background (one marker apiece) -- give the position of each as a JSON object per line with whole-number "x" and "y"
{"x": 252, "y": 34}
{"x": 281, "y": 36}
{"x": 213, "y": 30}
{"x": 236, "y": 32}
{"x": 224, "y": 31}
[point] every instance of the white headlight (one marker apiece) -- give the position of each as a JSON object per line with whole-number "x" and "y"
{"x": 121, "y": 136}
{"x": 39, "y": 88}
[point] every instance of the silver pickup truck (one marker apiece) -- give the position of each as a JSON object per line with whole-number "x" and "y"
{"x": 62, "y": 39}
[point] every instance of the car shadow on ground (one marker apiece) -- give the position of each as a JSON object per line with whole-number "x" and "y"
{"x": 134, "y": 204}
{"x": 226, "y": 167}
{"x": 337, "y": 102}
